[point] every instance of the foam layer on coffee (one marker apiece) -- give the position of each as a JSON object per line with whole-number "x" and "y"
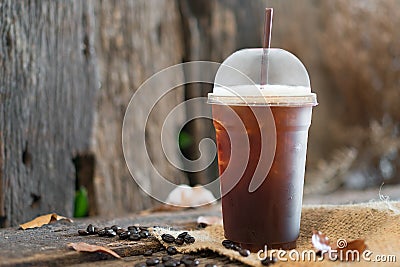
{"x": 258, "y": 90}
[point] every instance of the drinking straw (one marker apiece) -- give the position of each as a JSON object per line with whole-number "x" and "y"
{"x": 269, "y": 12}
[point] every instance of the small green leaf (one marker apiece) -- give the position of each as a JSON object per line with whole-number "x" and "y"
{"x": 185, "y": 140}
{"x": 81, "y": 203}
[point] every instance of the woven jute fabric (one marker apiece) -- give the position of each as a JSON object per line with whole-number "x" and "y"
{"x": 378, "y": 223}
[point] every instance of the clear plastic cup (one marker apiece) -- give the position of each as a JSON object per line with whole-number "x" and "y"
{"x": 261, "y": 134}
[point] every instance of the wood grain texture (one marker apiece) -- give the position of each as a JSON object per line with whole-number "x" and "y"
{"x": 134, "y": 40}
{"x": 47, "y": 91}
{"x": 68, "y": 71}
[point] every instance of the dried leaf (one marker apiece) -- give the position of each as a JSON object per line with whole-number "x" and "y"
{"x": 209, "y": 220}
{"x": 42, "y": 220}
{"x": 84, "y": 247}
{"x": 355, "y": 245}
{"x": 320, "y": 241}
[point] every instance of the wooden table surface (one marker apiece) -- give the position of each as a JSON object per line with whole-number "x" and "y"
{"x": 47, "y": 245}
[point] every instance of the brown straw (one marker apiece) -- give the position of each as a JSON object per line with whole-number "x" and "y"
{"x": 269, "y": 12}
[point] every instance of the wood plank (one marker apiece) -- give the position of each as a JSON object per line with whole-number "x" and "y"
{"x": 48, "y": 244}
{"x": 47, "y": 91}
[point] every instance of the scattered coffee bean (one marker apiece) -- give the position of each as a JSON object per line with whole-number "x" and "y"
{"x": 102, "y": 232}
{"x": 227, "y": 244}
{"x": 171, "y": 263}
{"x": 236, "y": 247}
{"x": 269, "y": 261}
{"x": 179, "y": 241}
{"x": 210, "y": 265}
{"x": 119, "y": 231}
{"x": 168, "y": 238}
{"x": 115, "y": 227}
{"x": 111, "y": 233}
{"x": 182, "y": 235}
{"x": 96, "y": 230}
{"x": 83, "y": 232}
{"x": 189, "y": 239}
{"x": 90, "y": 229}
{"x": 148, "y": 252}
{"x": 144, "y": 234}
{"x": 134, "y": 231}
{"x": 202, "y": 225}
{"x": 152, "y": 261}
{"x": 166, "y": 258}
{"x": 134, "y": 237}
{"x": 132, "y": 227}
{"x": 141, "y": 264}
{"x": 187, "y": 257}
{"x": 244, "y": 252}
{"x": 171, "y": 250}
{"x": 190, "y": 262}
{"x": 124, "y": 235}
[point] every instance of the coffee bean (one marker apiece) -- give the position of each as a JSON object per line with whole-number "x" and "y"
{"x": 190, "y": 262}
{"x": 187, "y": 257}
{"x": 124, "y": 235}
{"x": 170, "y": 263}
{"x": 96, "y": 230}
{"x": 107, "y": 228}
{"x": 227, "y": 244}
{"x": 144, "y": 234}
{"x": 166, "y": 258}
{"x": 202, "y": 225}
{"x": 210, "y": 265}
{"x": 90, "y": 229}
{"x": 111, "y": 233}
{"x": 143, "y": 228}
{"x": 134, "y": 230}
{"x": 244, "y": 252}
{"x": 134, "y": 237}
{"x": 187, "y": 262}
{"x": 132, "y": 227}
{"x": 269, "y": 261}
{"x": 83, "y": 232}
{"x": 152, "y": 261}
{"x": 171, "y": 250}
{"x": 189, "y": 239}
{"x": 179, "y": 241}
{"x": 236, "y": 247}
{"x": 119, "y": 231}
{"x": 102, "y": 232}
{"x": 141, "y": 264}
{"x": 148, "y": 252}
{"x": 182, "y": 235}
{"x": 168, "y": 238}
{"x": 115, "y": 228}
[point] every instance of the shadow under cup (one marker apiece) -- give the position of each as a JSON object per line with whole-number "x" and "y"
{"x": 269, "y": 215}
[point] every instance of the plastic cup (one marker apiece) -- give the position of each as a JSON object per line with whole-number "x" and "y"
{"x": 262, "y": 184}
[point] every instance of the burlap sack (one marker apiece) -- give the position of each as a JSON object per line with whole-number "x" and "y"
{"x": 378, "y": 223}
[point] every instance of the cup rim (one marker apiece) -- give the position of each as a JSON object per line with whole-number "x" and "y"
{"x": 287, "y": 101}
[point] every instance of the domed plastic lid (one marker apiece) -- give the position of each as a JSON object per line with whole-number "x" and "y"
{"x": 259, "y": 76}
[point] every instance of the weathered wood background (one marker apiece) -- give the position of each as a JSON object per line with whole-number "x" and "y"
{"x": 69, "y": 69}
